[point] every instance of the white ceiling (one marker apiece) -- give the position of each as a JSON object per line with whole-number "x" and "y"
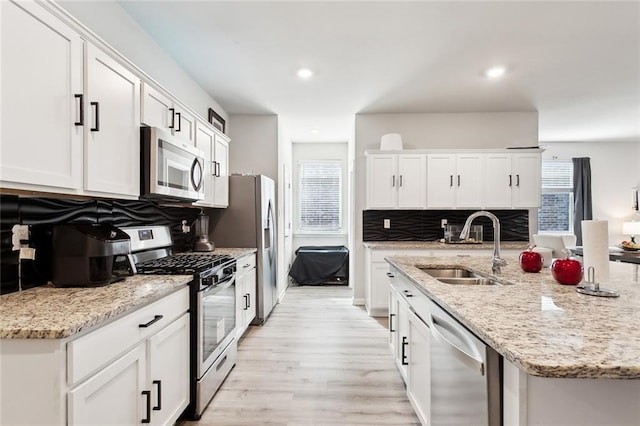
{"x": 576, "y": 63}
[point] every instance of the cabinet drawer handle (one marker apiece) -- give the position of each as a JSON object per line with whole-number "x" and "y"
{"x": 173, "y": 118}
{"x": 391, "y": 323}
{"x": 158, "y": 407}
{"x": 517, "y": 180}
{"x": 179, "y": 121}
{"x": 404, "y": 351}
{"x": 148, "y": 415}
{"x": 155, "y": 319}
{"x": 390, "y": 275}
{"x": 246, "y": 265}
{"x": 81, "y": 121}
{"x": 510, "y": 180}
{"x": 96, "y": 128}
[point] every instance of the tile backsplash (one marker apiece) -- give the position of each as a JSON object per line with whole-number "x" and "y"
{"x": 425, "y": 225}
{"x": 40, "y": 214}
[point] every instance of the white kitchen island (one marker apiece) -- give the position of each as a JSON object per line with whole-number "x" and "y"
{"x": 569, "y": 359}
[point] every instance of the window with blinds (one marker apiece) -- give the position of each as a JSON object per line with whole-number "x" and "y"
{"x": 555, "y": 214}
{"x": 319, "y": 196}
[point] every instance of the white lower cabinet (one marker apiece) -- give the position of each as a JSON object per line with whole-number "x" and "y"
{"x": 112, "y": 396}
{"x": 130, "y": 371}
{"x": 245, "y": 292}
{"x": 418, "y": 380}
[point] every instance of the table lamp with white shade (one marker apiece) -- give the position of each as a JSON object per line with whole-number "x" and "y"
{"x": 632, "y": 229}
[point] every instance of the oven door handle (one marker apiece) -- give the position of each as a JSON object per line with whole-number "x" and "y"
{"x": 219, "y": 286}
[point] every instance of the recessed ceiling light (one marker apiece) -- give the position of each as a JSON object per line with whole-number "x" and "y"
{"x": 315, "y": 131}
{"x": 305, "y": 73}
{"x": 495, "y": 72}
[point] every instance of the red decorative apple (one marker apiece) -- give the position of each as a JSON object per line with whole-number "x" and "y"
{"x": 531, "y": 261}
{"x": 567, "y": 271}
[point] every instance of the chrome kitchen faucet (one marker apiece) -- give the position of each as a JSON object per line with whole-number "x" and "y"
{"x": 498, "y": 261}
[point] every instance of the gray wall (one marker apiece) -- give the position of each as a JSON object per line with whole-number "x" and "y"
{"x": 109, "y": 21}
{"x": 254, "y": 144}
{"x": 431, "y": 131}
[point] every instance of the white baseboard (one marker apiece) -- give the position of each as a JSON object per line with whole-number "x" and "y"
{"x": 357, "y": 301}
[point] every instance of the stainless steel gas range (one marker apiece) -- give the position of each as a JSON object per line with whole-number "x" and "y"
{"x": 212, "y": 306}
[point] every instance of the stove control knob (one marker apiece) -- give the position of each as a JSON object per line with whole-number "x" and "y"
{"x": 207, "y": 281}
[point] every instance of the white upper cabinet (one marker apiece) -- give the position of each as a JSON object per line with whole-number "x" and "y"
{"x": 498, "y": 180}
{"x": 42, "y": 93}
{"x": 216, "y": 172}
{"x": 396, "y": 181}
{"x": 112, "y": 146}
{"x": 159, "y": 110}
{"x": 527, "y": 185}
{"x": 513, "y": 180}
{"x": 221, "y": 178}
{"x": 455, "y": 180}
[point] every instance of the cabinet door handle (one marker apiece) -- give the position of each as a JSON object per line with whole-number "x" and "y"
{"x": 173, "y": 118}
{"x": 510, "y": 180}
{"x": 390, "y": 275}
{"x": 96, "y": 128}
{"x": 451, "y": 181}
{"x": 155, "y": 319}
{"x": 148, "y": 415}
{"x": 393, "y": 181}
{"x": 458, "y": 181}
{"x": 404, "y": 351}
{"x": 517, "y": 180}
{"x": 246, "y": 265}
{"x": 391, "y": 323}
{"x": 81, "y": 121}
{"x": 158, "y": 406}
{"x": 248, "y": 300}
{"x": 400, "y": 181}
{"x": 245, "y": 302}
{"x": 217, "y": 169}
{"x": 179, "y": 121}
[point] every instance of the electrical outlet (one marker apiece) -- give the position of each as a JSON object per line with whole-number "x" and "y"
{"x": 387, "y": 224}
{"x": 443, "y": 223}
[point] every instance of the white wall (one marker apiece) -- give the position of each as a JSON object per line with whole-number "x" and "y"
{"x": 615, "y": 171}
{"x": 254, "y": 144}
{"x": 430, "y": 131}
{"x": 320, "y": 151}
{"x": 109, "y": 21}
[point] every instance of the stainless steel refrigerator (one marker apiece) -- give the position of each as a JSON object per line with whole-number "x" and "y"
{"x": 250, "y": 221}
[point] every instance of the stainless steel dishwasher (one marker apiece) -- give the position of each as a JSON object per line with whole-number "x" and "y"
{"x": 466, "y": 375}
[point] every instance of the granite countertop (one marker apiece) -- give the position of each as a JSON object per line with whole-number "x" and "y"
{"x": 49, "y": 312}
{"x": 427, "y": 245}
{"x": 544, "y": 328}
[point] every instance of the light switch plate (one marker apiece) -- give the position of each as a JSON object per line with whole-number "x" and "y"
{"x": 387, "y": 224}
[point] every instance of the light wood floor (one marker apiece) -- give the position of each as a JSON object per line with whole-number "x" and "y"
{"x": 317, "y": 361}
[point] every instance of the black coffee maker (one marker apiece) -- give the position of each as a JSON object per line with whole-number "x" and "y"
{"x": 83, "y": 254}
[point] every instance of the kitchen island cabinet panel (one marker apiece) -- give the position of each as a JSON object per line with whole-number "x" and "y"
{"x": 42, "y": 88}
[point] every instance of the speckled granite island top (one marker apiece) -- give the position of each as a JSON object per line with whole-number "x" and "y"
{"x": 433, "y": 245}
{"x": 50, "y": 312}
{"x": 544, "y": 328}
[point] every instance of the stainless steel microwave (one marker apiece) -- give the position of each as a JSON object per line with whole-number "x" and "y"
{"x": 171, "y": 169}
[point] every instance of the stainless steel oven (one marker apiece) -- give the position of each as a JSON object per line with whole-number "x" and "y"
{"x": 215, "y": 334}
{"x": 170, "y": 168}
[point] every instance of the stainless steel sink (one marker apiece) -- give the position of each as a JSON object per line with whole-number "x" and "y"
{"x": 459, "y": 276}
{"x": 468, "y": 281}
{"x": 450, "y": 273}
